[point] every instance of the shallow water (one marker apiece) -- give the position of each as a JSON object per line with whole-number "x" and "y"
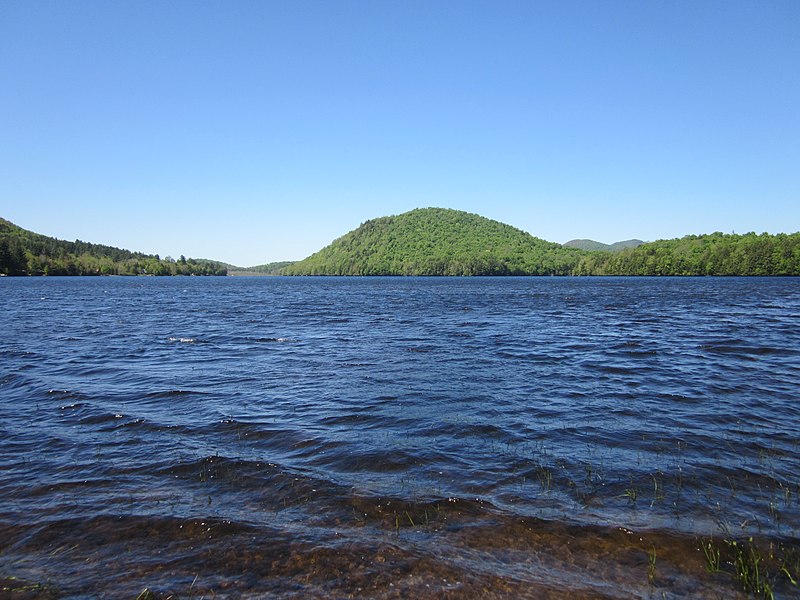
{"x": 397, "y": 437}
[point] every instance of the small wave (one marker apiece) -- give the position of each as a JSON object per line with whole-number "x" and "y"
{"x": 183, "y": 340}
{"x": 533, "y": 357}
{"x": 745, "y": 349}
{"x": 681, "y": 398}
{"x": 16, "y": 354}
{"x": 610, "y": 369}
{"x": 78, "y": 398}
{"x": 140, "y": 422}
{"x": 172, "y": 394}
{"x": 99, "y": 419}
{"x": 641, "y": 353}
{"x": 420, "y": 349}
{"x": 373, "y": 461}
{"x": 359, "y": 420}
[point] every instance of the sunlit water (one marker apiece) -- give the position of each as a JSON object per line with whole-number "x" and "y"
{"x": 396, "y": 437}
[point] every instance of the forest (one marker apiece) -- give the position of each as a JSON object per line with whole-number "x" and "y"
{"x": 23, "y": 252}
{"x": 273, "y": 268}
{"x": 718, "y": 253}
{"x": 435, "y": 241}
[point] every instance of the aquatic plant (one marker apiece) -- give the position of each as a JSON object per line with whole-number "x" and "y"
{"x": 631, "y": 493}
{"x": 545, "y": 478}
{"x": 19, "y": 588}
{"x": 756, "y": 571}
{"x": 658, "y": 491}
{"x": 712, "y": 555}
{"x": 651, "y": 565}
{"x": 748, "y": 570}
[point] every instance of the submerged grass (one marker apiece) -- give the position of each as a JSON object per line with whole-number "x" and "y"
{"x": 712, "y": 555}
{"x": 651, "y": 565}
{"x": 757, "y": 572}
{"x": 12, "y": 587}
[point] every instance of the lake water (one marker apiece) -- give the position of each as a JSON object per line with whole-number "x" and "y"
{"x": 399, "y": 437}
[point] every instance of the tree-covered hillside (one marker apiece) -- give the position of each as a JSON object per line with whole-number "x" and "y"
{"x": 592, "y": 245}
{"x": 436, "y": 241}
{"x": 713, "y": 254}
{"x": 273, "y": 268}
{"x": 430, "y": 241}
{"x": 23, "y": 252}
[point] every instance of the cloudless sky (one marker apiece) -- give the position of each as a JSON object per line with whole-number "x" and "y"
{"x": 256, "y": 131}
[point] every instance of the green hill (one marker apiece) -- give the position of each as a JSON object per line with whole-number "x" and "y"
{"x": 713, "y": 254}
{"x": 591, "y": 245}
{"x": 428, "y": 241}
{"x": 273, "y": 268}
{"x": 24, "y": 252}
{"x": 437, "y": 241}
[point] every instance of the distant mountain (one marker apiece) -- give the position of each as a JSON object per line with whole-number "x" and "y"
{"x": 593, "y": 246}
{"x": 24, "y": 252}
{"x": 589, "y": 245}
{"x": 437, "y": 241}
{"x": 617, "y": 246}
{"x": 273, "y": 268}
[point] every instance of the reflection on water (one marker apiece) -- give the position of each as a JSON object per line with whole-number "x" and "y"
{"x": 531, "y": 437}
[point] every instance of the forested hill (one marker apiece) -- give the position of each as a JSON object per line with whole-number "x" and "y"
{"x": 437, "y": 241}
{"x": 273, "y": 268}
{"x": 713, "y": 254}
{"x": 429, "y": 241}
{"x": 24, "y": 252}
{"x": 592, "y": 245}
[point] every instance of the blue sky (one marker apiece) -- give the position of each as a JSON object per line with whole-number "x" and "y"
{"x": 258, "y": 131}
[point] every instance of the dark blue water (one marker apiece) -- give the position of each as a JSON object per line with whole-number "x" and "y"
{"x": 398, "y": 437}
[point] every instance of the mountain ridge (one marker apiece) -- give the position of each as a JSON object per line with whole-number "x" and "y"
{"x": 593, "y": 246}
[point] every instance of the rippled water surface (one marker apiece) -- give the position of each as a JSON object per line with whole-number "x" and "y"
{"x": 399, "y": 437}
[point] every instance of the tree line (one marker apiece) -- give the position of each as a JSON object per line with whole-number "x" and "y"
{"x": 23, "y": 252}
{"x": 436, "y": 241}
{"x": 429, "y": 242}
{"x": 718, "y": 253}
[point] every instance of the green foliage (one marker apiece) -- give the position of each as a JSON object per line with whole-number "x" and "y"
{"x": 435, "y": 241}
{"x": 273, "y": 268}
{"x": 713, "y": 254}
{"x": 429, "y": 241}
{"x": 758, "y": 569}
{"x": 592, "y": 245}
{"x": 23, "y": 252}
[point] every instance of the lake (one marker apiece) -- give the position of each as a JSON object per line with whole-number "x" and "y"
{"x": 400, "y": 437}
